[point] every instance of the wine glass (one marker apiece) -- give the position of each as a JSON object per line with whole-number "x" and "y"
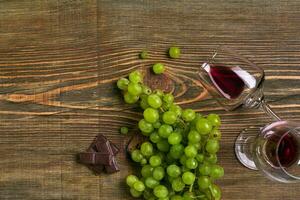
{"x": 235, "y": 81}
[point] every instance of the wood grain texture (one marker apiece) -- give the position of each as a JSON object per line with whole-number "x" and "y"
{"x": 59, "y": 61}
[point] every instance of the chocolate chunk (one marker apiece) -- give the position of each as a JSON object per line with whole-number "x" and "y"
{"x": 113, "y": 167}
{"x": 95, "y": 158}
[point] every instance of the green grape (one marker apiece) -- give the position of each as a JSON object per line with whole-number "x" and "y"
{"x": 176, "y": 197}
{"x": 203, "y": 126}
{"x": 214, "y": 119}
{"x": 216, "y": 171}
{"x": 147, "y": 171}
{"x": 154, "y": 101}
{"x": 163, "y": 145}
{"x": 143, "y": 161}
{"x": 159, "y": 92}
{"x": 124, "y": 130}
{"x": 168, "y": 98}
{"x": 191, "y": 163}
{"x": 174, "y": 138}
{"x": 215, "y": 133}
{"x": 136, "y": 155}
{"x": 123, "y": 83}
{"x": 160, "y": 191}
{"x": 194, "y": 122}
{"x": 188, "y": 115}
{"x": 204, "y": 182}
{"x": 176, "y": 108}
{"x": 154, "y": 137}
{"x": 174, "y": 52}
{"x": 161, "y": 155}
{"x": 166, "y": 106}
{"x": 150, "y": 182}
{"x": 215, "y": 191}
{"x": 183, "y": 159}
{"x": 151, "y": 115}
{"x": 134, "y": 89}
{"x": 155, "y": 161}
{"x": 188, "y": 178}
{"x": 197, "y": 145}
{"x": 146, "y": 90}
{"x": 145, "y": 126}
{"x": 131, "y": 179}
{"x": 146, "y": 149}
{"x": 212, "y": 158}
{"x": 158, "y": 173}
{"x": 194, "y": 137}
{"x": 130, "y": 99}
{"x": 158, "y": 68}
{"x": 188, "y": 196}
{"x": 144, "y": 103}
{"x": 190, "y": 151}
{"x": 173, "y": 171}
{"x": 139, "y": 186}
{"x": 156, "y": 124}
{"x": 164, "y": 198}
{"x": 135, "y": 77}
{"x": 200, "y": 158}
{"x": 176, "y": 151}
{"x": 212, "y": 146}
{"x": 143, "y": 55}
{"x": 165, "y": 131}
{"x": 204, "y": 169}
{"x": 169, "y": 117}
{"x": 135, "y": 193}
{"x": 177, "y": 184}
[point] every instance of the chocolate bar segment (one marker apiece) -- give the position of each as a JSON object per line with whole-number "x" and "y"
{"x": 95, "y": 158}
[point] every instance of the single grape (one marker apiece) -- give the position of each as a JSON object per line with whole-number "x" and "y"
{"x": 158, "y": 68}
{"x": 212, "y": 146}
{"x": 215, "y": 133}
{"x": 211, "y": 158}
{"x": 158, "y": 173}
{"x": 204, "y": 169}
{"x": 165, "y": 130}
{"x": 174, "y": 52}
{"x": 123, "y": 83}
{"x": 156, "y": 124}
{"x": 215, "y": 191}
{"x": 188, "y": 115}
{"x": 135, "y": 193}
{"x": 175, "y": 138}
{"x": 203, "y": 126}
{"x": 134, "y": 89}
{"x": 146, "y": 90}
{"x": 188, "y": 178}
{"x": 150, "y": 182}
{"x": 131, "y": 179}
{"x": 169, "y": 117}
{"x": 176, "y": 151}
{"x": 188, "y": 196}
{"x": 155, "y": 161}
{"x": 145, "y": 126}
{"x": 190, "y": 151}
{"x": 176, "y": 197}
{"x": 177, "y": 184}
{"x": 197, "y": 145}
{"x": 160, "y": 191}
{"x": 214, "y": 119}
{"x": 163, "y": 145}
{"x": 200, "y": 158}
{"x": 154, "y": 137}
{"x": 216, "y": 171}
{"x": 135, "y": 77}
{"x": 151, "y": 115}
{"x": 143, "y": 55}
{"x": 124, "y": 130}
{"x": 130, "y": 99}
{"x": 136, "y": 155}
{"x": 191, "y": 163}
{"x": 144, "y": 103}
{"x": 143, "y": 161}
{"x": 194, "y": 122}
{"x": 173, "y": 171}
{"x": 177, "y": 109}
{"x": 147, "y": 171}
{"x": 204, "y": 182}
{"x": 194, "y": 137}
{"x": 168, "y": 98}
{"x": 139, "y": 186}
{"x": 183, "y": 159}
{"x": 154, "y": 101}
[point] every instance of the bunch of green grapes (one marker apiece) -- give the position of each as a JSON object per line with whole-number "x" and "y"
{"x": 179, "y": 161}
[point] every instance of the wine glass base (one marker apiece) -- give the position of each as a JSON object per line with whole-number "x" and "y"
{"x": 243, "y": 146}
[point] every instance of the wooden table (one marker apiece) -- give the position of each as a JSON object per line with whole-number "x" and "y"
{"x": 59, "y": 61}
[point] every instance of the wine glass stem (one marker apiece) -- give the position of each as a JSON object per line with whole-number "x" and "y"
{"x": 266, "y": 108}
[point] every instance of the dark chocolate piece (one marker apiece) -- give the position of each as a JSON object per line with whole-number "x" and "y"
{"x": 95, "y": 158}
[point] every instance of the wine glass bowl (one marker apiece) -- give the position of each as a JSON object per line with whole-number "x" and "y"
{"x": 230, "y": 78}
